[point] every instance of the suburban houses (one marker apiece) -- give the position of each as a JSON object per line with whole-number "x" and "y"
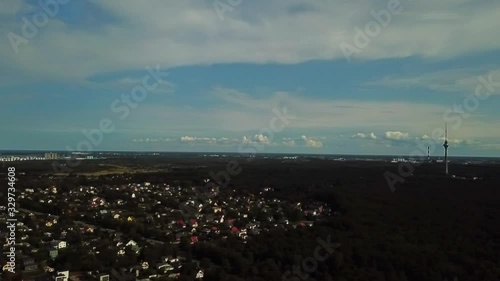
{"x": 141, "y": 229}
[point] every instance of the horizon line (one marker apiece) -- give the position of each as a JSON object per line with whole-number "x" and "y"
{"x": 215, "y": 152}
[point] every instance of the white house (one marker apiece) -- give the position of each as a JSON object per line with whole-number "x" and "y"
{"x": 57, "y": 244}
{"x": 62, "y": 245}
{"x": 200, "y": 274}
{"x": 62, "y": 276}
{"x": 131, "y": 243}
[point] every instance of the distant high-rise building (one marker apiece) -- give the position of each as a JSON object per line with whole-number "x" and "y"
{"x": 51, "y": 156}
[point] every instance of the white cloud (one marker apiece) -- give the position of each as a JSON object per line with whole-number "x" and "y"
{"x": 308, "y": 113}
{"x": 226, "y": 140}
{"x": 455, "y": 80}
{"x": 246, "y": 140}
{"x": 450, "y": 141}
{"x": 311, "y": 113}
{"x": 179, "y": 33}
{"x": 364, "y": 136}
{"x": 459, "y": 142}
{"x": 289, "y": 142}
{"x": 257, "y": 138}
{"x": 211, "y": 140}
{"x": 312, "y": 142}
{"x": 188, "y": 139}
{"x": 396, "y": 135}
{"x": 198, "y": 139}
{"x": 490, "y": 146}
{"x": 261, "y": 139}
{"x": 127, "y": 84}
{"x": 235, "y": 97}
{"x": 146, "y": 140}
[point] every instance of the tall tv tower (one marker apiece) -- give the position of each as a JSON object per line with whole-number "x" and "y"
{"x": 445, "y": 145}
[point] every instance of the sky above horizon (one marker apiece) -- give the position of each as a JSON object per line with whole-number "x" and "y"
{"x": 304, "y": 76}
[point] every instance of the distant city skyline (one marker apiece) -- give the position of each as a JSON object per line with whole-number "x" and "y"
{"x": 348, "y": 77}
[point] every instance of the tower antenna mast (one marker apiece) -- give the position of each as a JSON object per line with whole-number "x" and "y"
{"x": 445, "y": 145}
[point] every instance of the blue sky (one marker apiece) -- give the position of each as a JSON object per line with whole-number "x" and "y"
{"x": 225, "y": 70}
